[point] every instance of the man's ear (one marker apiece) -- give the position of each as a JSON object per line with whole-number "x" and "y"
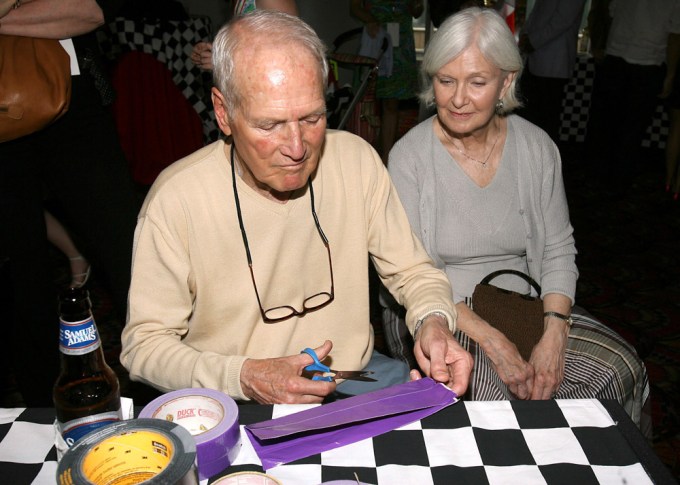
{"x": 221, "y": 112}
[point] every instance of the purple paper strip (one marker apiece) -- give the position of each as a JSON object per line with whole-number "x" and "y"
{"x": 346, "y": 421}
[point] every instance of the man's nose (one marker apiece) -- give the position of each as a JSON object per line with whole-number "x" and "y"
{"x": 293, "y": 146}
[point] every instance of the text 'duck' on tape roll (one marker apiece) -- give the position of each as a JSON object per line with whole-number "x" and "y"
{"x": 212, "y": 419}
{"x": 146, "y": 451}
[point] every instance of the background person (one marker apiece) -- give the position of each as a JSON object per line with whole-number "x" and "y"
{"x": 402, "y": 82}
{"x": 628, "y": 82}
{"x": 202, "y": 52}
{"x": 548, "y": 40}
{"x": 484, "y": 192}
{"x": 250, "y": 250}
{"x": 61, "y": 239}
{"x": 78, "y": 162}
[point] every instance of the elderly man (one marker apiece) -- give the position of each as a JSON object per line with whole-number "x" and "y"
{"x": 233, "y": 274}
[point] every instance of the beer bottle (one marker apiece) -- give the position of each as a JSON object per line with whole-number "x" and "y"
{"x": 87, "y": 392}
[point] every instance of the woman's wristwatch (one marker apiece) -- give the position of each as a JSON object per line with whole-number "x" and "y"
{"x": 566, "y": 318}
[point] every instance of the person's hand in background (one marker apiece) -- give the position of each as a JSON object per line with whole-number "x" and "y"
{"x": 202, "y": 56}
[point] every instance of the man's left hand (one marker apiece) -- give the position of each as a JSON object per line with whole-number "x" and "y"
{"x": 440, "y": 356}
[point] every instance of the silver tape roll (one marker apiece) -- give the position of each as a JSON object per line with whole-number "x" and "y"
{"x": 146, "y": 451}
{"x": 212, "y": 419}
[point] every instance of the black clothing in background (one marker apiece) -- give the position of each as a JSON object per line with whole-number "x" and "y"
{"x": 77, "y": 164}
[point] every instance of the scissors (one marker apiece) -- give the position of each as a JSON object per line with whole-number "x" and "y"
{"x": 328, "y": 374}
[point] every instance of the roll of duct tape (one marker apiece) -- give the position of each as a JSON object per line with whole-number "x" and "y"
{"x": 146, "y": 451}
{"x": 212, "y": 419}
{"x": 247, "y": 478}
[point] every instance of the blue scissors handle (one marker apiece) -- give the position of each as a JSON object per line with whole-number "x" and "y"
{"x": 317, "y": 366}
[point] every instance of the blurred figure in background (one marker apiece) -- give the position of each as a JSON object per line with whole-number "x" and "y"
{"x": 202, "y": 53}
{"x": 401, "y": 82}
{"x": 78, "y": 162}
{"x": 548, "y": 44}
{"x": 671, "y": 94}
{"x": 61, "y": 239}
{"x": 628, "y": 83}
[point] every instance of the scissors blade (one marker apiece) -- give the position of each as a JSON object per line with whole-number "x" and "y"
{"x": 354, "y": 375}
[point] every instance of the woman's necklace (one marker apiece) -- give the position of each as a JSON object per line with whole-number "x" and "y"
{"x": 482, "y": 163}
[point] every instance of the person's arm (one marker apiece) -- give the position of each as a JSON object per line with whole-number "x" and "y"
{"x": 358, "y": 11}
{"x": 599, "y": 22}
{"x": 548, "y": 357}
{"x": 52, "y": 19}
{"x": 286, "y": 6}
{"x": 153, "y": 348}
{"x": 415, "y": 8}
{"x": 408, "y": 273}
{"x": 558, "y": 274}
{"x": 672, "y": 60}
{"x": 545, "y": 30}
{"x": 440, "y": 356}
{"x": 512, "y": 369}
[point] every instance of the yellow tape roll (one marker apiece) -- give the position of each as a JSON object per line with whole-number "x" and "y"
{"x": 148, "y": 451}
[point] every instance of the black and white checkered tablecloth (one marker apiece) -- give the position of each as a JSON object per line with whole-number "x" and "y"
{"x": 171, "y": 43}
{"x": 576, "y": 104}
{"x": 504, "y": 442}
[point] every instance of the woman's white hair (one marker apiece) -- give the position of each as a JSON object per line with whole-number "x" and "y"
{"x": 277, "y": 28}
{"x": 482, "y": 27}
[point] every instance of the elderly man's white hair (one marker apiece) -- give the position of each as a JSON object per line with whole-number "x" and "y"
{"x": 274, "y": 28}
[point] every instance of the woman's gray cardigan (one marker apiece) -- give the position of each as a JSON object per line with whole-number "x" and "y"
{"x": 550, "y": 245}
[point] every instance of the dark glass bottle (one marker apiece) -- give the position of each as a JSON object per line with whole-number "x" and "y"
{"x": 87, "y": 392}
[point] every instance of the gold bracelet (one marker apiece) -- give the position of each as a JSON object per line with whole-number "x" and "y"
{"x": 568, "y": 319}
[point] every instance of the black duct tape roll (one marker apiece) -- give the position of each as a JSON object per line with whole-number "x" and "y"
{"x": 149, "y": 451}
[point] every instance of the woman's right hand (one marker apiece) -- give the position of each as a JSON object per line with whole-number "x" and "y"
{"x": 513, "y": 370}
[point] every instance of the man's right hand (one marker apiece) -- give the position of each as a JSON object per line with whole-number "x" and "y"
{"x": 279, "y": 381}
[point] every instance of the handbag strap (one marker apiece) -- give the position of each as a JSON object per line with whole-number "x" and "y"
{"x": 487, "y": 279}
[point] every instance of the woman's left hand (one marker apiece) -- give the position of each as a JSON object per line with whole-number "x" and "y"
{"x": 547, "y": 359}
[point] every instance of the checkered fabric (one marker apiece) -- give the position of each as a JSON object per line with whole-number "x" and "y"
{"x": 576, "y": 104}
{"x": 494, "y": 442}
{"x": 500, "y": 442}
{"x": 171, "y": 42}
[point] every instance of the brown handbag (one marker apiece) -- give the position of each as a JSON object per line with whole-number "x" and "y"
{"x": 35, "y": 84}
{"x": 518, "y": 316}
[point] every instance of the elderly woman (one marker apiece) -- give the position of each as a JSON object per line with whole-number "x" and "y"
{"x": 483, "y": 190}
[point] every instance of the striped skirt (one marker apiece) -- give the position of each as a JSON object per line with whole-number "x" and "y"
{"x": 599, "y": 364}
